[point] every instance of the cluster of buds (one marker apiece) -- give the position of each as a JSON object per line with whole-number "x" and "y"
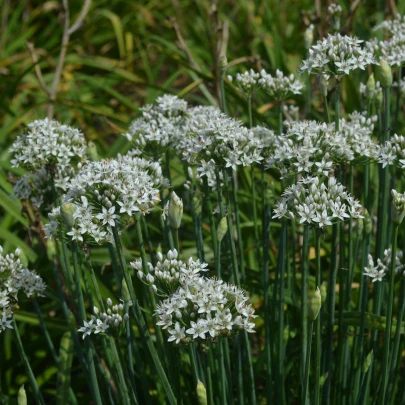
{"x": 101, "y": 321}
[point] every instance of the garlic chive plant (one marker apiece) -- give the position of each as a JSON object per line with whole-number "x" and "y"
{"x": 174, "y": 262}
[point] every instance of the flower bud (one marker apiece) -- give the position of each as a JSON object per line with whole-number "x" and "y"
{"x": 96, "y": 310}
{"x": 223, "y": 65}
{"x": 175, "y": 211}
{"x": 92, "y": 151}
{"x": 309, "y": 36}
{"x": 109, "y": 302}
{"x": 222, "y": 229}
{"x": 125, "y": 292}
{"x": 201, "y": 393}
{"x": 314, "y": 304}
{"x": 67, "y": 215}
{"x": 367, "y": 362}
{"x": 370, "y": 87}
{"x": 324, "y": 291}
{"x": 385, "y": 74}
{"x": 397, "y": 207}
{"x": 22, "y": 396}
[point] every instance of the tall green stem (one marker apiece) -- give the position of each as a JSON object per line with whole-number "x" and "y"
{"x": 34, "y": 386}
{"x": 304, "y": 310}
{"x": 387, "y": 341}
{"x": 144, "y": 331}
{"x": 318, "y": 328}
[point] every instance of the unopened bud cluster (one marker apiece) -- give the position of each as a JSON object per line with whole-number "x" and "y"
{"x": 100, "y": 322}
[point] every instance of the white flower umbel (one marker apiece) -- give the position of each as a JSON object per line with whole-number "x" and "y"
{"x": 204, "y": 308}
{"x": 47, "y": 149}
{"x": 392, "y": 152}
{"x": 108, "y": 193}
{"x": 110, "y": 321}
{"x": 14, "y": 277}
{"x": 392, "y": 48}
{"x": 212, "y": 135}
{"x": 378, "y": 271}
{"x": 160, "y": 126}
{"x": 169, "y": 273}
{"x": 317, "y": 204}
{"x": 337, "y": 55}
{"x": 279, "y": 87}
{"x": 314, "y": 148}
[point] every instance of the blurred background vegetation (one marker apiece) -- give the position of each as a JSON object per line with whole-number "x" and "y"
{"x": 125, "y": 54}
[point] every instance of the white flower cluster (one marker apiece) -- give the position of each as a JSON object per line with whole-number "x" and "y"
{"x": 291, "y": 112}
{"x": 313, "y": 147}
{"x": 268, "y": 139}
{"x": 392, "y": 152}
{"x": 160, "y": 127}
{"x": 14, "y": 277}
{"x": 337, "y": 55}
{"x": 100, "y": 322}
{"x": 393, "y": 47}
{"x": 377, "y": 272}
{"x": 170, "y": 273}
{"x": 205, "y": 308}
{"x": 401, "y": 85}
{"x": 317, "y": 204}
{"x": 334, "y": 9}
{"x": 247, "y": 81}
{"x": 47, "y": 148}
{"x": 107, "y": 193}
{"x": 215, "y": 139}
{"x": 279, "y": 87}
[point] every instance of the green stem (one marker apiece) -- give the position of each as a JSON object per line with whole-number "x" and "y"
{"x": 318, "y": 327}
{"x": 326, "y": 109}
{"x": 237, "y": 221}
{"x": 398, "y": 99}
{"x": 223, "y": 98}
{"x": 144, "y": 331}
{"x": 34, "y": 386}
{"x": 304, "y": 310}
{"x": 395, "y": 351}
{"x": 280, "y": 341}
{"x": 337, "y": 106}
{"x": 308, "y": 364}
{"x": 387, "y": 341}
{"x": 45, "y": 332}
{"x": 250, "y": 110}
{"x": 207, "y": 200}
{"x": 331, "y": 298}
{"x": 266, "y": 282}
{"x": 255, "y": 217}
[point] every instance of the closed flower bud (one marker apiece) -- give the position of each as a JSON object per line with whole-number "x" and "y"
{"x": 92, "y": 151}
{"x": 22, "y": 396}
{"x": 67, "y": 215}
{"x": 109, "y": 302}
{"x": 397, "y": 207}
{"x": 324, "y": 291}
{"x": 175, "y": 211}
{"x": 309, "y": 36}
{"x": 222, "y": 229}
{"x": 125, "y": 291}
{"x": 370, "y": 87}
{"x": 223, "y": 65}
{"x": 367, "y": 362}
{"x": 201, "y": 393}
{"x": 314, "y": 304}
{"x": 385, "y": 74}
{"x": 126, "y": 317}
